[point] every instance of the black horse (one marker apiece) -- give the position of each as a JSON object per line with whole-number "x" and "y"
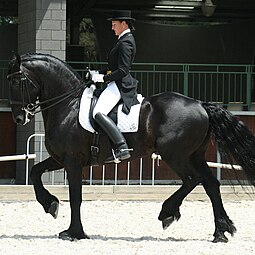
{"x": 175, "y": 126}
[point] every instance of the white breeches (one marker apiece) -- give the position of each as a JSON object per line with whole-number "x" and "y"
{"x": 108, "y": 99}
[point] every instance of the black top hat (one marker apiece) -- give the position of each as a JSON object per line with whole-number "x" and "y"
{"x": 121, "y": 15}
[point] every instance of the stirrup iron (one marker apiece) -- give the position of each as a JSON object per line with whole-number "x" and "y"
{"x": 115, "y": 160}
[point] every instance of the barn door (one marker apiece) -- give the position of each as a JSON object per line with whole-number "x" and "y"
{"x": 7, "y": 145}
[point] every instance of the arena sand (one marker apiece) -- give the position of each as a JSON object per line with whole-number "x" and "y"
{"x": 117, "y": 227}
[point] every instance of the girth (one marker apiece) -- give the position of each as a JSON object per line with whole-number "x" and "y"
{"x": 94, "y": 147}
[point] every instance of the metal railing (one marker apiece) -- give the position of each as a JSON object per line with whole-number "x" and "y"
{"x": 219, "y": 83}
{"x": 60, "y": 177}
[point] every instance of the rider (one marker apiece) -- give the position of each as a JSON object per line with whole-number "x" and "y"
{"x": 120, "y": 83}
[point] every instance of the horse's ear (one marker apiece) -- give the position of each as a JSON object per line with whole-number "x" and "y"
{"x": 16, "y": 58}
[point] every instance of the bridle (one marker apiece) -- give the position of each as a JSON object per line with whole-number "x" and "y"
{"x": 28, "y": 107}
{"x": 32, "y": 108}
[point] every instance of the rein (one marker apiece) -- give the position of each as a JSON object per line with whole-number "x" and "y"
{"x": 60, "y": 98}
{"x": 30, "y": 108}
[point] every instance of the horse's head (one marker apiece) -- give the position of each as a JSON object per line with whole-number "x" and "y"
{"x": 23, "y": 92}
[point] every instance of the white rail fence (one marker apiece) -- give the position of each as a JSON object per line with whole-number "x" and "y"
{"x": 18, "y": 157}
{"x": 59, "y": 176}
{"x": 41, "y": 136}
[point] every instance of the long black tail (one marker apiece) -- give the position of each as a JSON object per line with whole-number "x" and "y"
{"x": 234, "y": 139}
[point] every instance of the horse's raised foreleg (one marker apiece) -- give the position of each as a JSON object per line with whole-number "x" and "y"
{"x": 49, "y": 202}
{"x": 171, "y": 207}
{"x": 75, "y": 230}
{"x": 222, "y": 222}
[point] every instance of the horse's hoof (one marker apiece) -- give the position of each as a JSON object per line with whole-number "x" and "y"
{"x": 220, "y": 239}
{"x": 65, "y": 235}
{"x": 53, "y": 209}
{"x": 167, "y": 222}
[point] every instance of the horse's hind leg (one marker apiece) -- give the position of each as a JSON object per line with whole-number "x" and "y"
{"x": 222, "y": 222}
{"x": 49, "y": 202}
{"x": 171, "y": 207}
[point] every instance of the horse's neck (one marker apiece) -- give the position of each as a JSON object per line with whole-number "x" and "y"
{"x": 57, "y": 83}
{"x": 56, "y": 87}
{"x": 57, "y": 113}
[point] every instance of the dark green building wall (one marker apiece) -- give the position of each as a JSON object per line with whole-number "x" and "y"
{"x": 230, "y": 43}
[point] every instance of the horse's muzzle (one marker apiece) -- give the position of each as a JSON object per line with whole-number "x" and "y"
{"x": 20, "y": 119}
{"x": 23, "y": 118}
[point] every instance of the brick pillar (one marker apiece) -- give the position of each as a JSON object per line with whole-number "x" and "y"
{"x": 41, "y": 29}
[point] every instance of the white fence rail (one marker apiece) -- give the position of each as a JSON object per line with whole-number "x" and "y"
{"x": 60, "y": 176}
{"x": 18, "y": 157}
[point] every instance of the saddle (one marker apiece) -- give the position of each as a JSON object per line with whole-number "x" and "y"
{"x": 112, "y": 114}
{"x": 125, "y": 123}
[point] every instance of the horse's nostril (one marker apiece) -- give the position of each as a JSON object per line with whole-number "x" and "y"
{"x": 30, "y": 116}
{"x": 19, "y": 119}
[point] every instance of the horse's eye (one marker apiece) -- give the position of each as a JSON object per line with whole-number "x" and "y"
{"x": 15, "y": 81}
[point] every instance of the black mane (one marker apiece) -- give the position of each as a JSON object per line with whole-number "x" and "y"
{"x": 50, "y": 59}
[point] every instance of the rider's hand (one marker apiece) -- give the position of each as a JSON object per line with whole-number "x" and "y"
{"x": 91, "y": 72}
{"x": 88, "y": 75}
{"x": 97, "y": 77}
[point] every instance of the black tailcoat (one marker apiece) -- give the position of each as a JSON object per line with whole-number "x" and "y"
{"x": 120, "y": 59}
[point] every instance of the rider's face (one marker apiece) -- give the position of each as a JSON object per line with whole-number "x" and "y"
{"x": 119, "y": 26}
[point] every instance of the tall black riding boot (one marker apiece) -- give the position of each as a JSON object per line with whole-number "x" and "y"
{"x": 109, "y": 127}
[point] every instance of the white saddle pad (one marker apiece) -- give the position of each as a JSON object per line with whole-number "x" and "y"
{"x": 125, "y": 123}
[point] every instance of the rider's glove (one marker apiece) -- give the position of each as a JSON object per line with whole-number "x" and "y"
{"x": 91, "y": 72}
{"x": 97, "y": 77}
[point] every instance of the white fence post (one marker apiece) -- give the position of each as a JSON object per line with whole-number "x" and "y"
{"x": 28, "y": 146}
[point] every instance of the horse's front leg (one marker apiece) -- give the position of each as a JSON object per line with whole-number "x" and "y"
{"x": 75, "y": 230}
{"x": 49, "y": 202}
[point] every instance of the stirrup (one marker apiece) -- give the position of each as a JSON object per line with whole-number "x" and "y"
{"x": 115, "y": 159}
